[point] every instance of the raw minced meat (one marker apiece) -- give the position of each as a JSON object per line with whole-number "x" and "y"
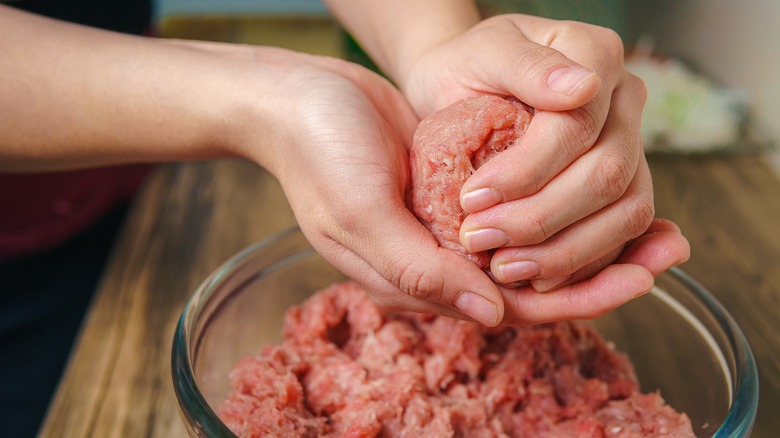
{"x": 447, "y": 148}
{"x": 345, "y": 368}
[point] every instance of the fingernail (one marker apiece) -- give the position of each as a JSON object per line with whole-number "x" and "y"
{"x": 548, "y": 284}
{"x": 518, "y": 270}
{"x": 487, "y": 238}
{"x": 479, "y": 199}
{"x": 566, "y": 80}
{"x": 478, "y": 308}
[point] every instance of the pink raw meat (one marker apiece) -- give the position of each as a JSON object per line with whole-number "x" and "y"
{"x": 447, "y": 148}
{"x": 347, "y": 369}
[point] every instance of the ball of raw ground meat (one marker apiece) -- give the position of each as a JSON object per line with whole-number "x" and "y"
{"x": 448, "y": 147}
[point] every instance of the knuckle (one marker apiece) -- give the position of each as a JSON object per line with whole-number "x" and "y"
{"x": 611, "y": 178}
{"x": 419, "y": 283}
{"x": 521, "y": 181}
{"x": 638, "y": 86}
{"x": 610, "y": 41}
{"x": 536, "y": 229}
{"x": 613, "y": 44}
{"x": 572, "y": 28}
{"x": 580, "y": 131}
{"x": 641, "y": 211}
{"x": 347, "y": 220}
{"x": 567, "y": 262}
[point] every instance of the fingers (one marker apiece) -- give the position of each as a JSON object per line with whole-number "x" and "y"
{"x": 661, "y": 247}
{"x": 592, "y": 182}
{"x": 598, "y": 48}
{"x": 549, "y": 64}
{"x": 630, "y": 276}
{"x": 610, "y": 288}
{"x": 424, "y": 271}
{"x": 553, "y": 141}
{"x": 561, "y": 223}
{"x": 556, "y": 138}
{"x": 582, "y": 243}
{"x": 382, "y": 292}
{"x": 414, "y": 270}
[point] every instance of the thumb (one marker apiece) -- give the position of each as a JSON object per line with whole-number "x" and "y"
{"x": 539, "y": 75}
{"x": 546, "y": 79}
{"x": 415, "y": 266}
{"x": 438, "y": 275}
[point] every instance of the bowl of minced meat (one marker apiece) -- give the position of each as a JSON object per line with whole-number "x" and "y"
{"x": 276, "y": 342}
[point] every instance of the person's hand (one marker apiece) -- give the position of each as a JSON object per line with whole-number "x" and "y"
{"x": 341, "y": 157}
{"x": 561, "y": 205}
{"x": 587, "y": 295}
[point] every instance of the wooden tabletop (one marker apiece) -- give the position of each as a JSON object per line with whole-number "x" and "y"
{"x": 191, "y": 217}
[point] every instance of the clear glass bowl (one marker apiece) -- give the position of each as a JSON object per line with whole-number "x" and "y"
{"x": 680, "y": 339}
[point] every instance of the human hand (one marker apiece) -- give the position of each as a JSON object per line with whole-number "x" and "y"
{"x": 333, "y": 134}
{"x": 342, "y": 136}
{"x": 602, "y": 286}
{"x": 561, "y": 205}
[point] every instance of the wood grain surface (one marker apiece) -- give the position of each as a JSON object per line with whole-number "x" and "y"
{"x": 729, "y": 209}
{"x": 192, "y": 217}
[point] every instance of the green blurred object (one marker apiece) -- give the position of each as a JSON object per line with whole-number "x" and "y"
{"x": 354, "y": 53}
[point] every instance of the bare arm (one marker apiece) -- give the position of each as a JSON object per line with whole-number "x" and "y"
{"x": 396, "y": 33}
{"x": 73, "y": 96}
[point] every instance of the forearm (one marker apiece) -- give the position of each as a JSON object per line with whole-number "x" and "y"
{"x": 72, "y": 96}
{"x": 396, "y": 33}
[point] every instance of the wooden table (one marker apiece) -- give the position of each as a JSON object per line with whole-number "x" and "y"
{"x": 192, "y": 217}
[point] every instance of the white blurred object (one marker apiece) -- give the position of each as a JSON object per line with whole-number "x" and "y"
{"x": 685, "y": 111}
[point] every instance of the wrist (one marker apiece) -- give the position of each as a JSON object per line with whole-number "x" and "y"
{"x": 396, "y": 34}
{"x": 416, "y": 44}
{"x": 259, "y": 118}
{"x": 110, "y": 98}
{"x": 237, "y": 100}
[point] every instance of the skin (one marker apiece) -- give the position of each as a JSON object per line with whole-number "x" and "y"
{"x": 75, "y": 97}
{"x": 565, "y": 205}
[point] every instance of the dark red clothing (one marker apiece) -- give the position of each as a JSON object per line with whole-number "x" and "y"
{"x": 40, "y": 211}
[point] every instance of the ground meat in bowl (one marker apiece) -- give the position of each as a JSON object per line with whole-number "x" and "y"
{"x": 447, "y": 148}
{"x": 345, "y": 368}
